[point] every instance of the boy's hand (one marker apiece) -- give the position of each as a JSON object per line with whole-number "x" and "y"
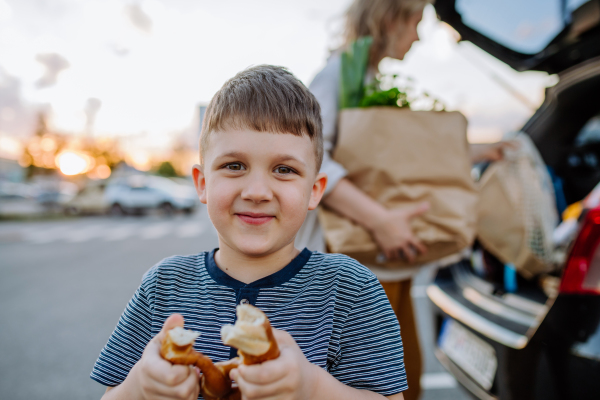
{"x": 152, "y": 377}
{"x": 290, "y": 376}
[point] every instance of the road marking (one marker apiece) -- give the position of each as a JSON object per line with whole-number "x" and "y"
{"x": 119, "y": 233}
{"x": 46, "y": 236}
{"x": 84, "y": 234}
{"x": 190, "y": 229}
{"x": 418, "y": 292}
{"x": 155, "y": 231}
{"x": 439, "y": 380}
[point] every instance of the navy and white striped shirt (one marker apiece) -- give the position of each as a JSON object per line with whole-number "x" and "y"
{"x": 333, "y": 307}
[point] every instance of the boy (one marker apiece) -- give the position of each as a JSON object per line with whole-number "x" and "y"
{"x": 261, "y": 150}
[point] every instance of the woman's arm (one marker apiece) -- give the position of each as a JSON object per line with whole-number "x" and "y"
{"x": 390, "y": 228}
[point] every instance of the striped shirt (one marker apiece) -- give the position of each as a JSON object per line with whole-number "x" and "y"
{"x": 333, "y": 307}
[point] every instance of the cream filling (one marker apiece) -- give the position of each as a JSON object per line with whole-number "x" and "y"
{"x": 182, "y": 337}
{"x": 248, "y": 334}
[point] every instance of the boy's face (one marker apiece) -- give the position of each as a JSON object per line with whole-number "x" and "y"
{"x": 258, "y": 188}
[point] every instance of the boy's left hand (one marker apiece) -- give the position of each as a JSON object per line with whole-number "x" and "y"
{"x": 290, "y": 376}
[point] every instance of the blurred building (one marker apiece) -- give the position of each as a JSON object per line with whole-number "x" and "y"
{"x": 10, "y": 170}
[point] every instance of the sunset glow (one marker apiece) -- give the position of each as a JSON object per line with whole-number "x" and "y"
{"x": 72, "y": 163}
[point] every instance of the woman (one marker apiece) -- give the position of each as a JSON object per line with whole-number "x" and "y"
{"x": 393, "y": 26}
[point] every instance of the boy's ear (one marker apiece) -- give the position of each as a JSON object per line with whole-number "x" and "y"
{"x": 317, "y": 190}
{"x": 199, "y": 182}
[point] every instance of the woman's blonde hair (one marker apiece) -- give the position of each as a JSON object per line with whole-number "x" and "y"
{"x": 373, "y": 17}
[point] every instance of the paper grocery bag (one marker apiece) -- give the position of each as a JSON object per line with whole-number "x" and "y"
{"x": 516, "y": 210}
{"x": 401, "y": 158}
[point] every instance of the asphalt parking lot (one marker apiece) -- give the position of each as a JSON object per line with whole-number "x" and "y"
{"x": 64, "y": 284}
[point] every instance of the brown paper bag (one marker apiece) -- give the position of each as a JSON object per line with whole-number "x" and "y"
{"x": 516, "y": 210}
{"x": 401, "y": 158}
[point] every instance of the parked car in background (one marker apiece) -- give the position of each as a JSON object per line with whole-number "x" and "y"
{"x": 18, "y": 199}
{"x": 543, "y": 340}
{"x": 139, "y": 193}
{"x": 89, "y": 200}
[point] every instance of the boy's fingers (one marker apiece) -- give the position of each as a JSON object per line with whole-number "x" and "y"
{"x": 178, "y": 374}
{"x": 192, "y": 384}
{"x": 257, "y": 391}
{"x": 267, "y": 372}
{"x": 164, "y": 372}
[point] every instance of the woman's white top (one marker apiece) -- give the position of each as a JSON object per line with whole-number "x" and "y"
{"x": 326, "y": 87}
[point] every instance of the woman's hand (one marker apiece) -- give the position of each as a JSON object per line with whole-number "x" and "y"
{"x": 487, "y": 152}
{"x": 390, "y": 228}
{"x": 393, "y": 233}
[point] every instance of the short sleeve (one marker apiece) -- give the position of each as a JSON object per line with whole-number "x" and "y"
{"x": 127, "y": 342}
{"x": 371, "y": 356}
{"x": 326, "y": 87}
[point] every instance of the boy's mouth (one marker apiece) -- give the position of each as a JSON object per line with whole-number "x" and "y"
{"x": 255, "y": 218}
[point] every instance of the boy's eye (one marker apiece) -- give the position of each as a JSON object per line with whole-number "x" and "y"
{"x": 235, "y": 167}
{"x": 284, "y": 170}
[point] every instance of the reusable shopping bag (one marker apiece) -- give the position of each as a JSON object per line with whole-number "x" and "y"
{"x": 516, "y": 210}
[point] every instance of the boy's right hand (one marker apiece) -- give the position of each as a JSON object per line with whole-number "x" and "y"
{"x": 152, "y": 377}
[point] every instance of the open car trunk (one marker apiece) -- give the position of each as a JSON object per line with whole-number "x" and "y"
{"x": 566, "y": 130}
{"x": 540, "y": 35}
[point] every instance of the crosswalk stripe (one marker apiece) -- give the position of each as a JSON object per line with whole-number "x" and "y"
{"x": 46, "y": 236}
{"x": 106, "y": 230}
{"x": 155, "y": 231}
{"x": 83, "y": 234}
{"x": 119, "y": 233}
{"x": 190, "y": 229}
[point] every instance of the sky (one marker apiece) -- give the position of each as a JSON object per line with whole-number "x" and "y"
{"x": 139, "y": 69}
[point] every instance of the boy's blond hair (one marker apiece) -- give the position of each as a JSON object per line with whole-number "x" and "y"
{"x": 264, "y": 98}
{"x": 373, "y": 18}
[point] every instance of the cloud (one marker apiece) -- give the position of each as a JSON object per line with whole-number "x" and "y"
{"x": 118, "y": 49}
{"x": 16, "y": 115}
{"x": 55, "y": 64}
{"x": 138, "y": 17}
{"x": 92, "y": 106}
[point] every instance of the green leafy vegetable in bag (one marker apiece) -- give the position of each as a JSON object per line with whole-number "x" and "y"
{"x": 354, "y": 93}
{"x": 354, "y": 67}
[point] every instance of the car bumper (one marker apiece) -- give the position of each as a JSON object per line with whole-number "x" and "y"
{"x": 559, "y": 359}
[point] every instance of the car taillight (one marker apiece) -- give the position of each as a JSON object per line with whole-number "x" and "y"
{"x": 582, "y": 273}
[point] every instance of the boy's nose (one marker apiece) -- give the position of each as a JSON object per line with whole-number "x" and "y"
{"x": 257, "y": 189}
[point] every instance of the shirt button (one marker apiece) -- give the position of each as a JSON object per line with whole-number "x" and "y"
{"x": 244, "y": 301}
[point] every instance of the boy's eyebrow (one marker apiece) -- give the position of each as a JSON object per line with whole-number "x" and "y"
{"x": 232, "y": 154}
{"x": 288, "y": 157}
{"x": 281, "y": 158}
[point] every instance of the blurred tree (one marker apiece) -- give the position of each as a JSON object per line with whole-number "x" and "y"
{"x": 166, "y": 169}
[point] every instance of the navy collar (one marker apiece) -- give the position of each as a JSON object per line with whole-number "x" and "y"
{"x": 276, "y": 279}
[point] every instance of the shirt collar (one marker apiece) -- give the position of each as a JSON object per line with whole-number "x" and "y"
{"x": 276, "y": 279}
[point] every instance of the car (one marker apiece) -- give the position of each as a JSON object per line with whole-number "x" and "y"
{"x": 138, "y": 194}
{"x": 541, "y": 341}
{"x": 89, "y": 200}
